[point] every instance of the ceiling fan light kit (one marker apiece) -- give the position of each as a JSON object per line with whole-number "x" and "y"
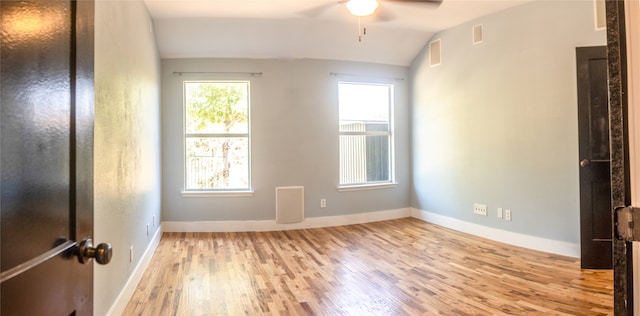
{"x": 362, "y": 7}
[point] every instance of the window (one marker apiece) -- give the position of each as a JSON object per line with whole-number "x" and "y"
{"x": 216, "y": 135}
{"x": 366, "y": 142}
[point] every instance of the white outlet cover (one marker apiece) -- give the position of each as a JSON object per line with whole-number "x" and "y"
{"x": 479, "y": 209}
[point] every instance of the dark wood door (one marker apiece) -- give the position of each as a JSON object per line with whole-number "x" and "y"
{"x": 595, "y": 174}
{"x": 46, "y": 131}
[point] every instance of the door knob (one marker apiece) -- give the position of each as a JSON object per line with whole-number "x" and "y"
{"x": 102, "y": 253}
{"x": 584, "y": 162}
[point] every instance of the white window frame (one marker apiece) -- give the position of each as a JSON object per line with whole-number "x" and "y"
{"x": 368, "y": 185}
{"x": 211, "y": 192}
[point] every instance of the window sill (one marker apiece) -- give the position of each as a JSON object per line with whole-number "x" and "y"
{"x": 362, "y": 187}
{"x": 201, "y": 194}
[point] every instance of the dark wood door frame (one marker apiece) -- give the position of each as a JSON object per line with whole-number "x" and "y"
{"x": 618, "y": 122}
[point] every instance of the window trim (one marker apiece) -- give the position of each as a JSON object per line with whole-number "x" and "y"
{"x": 217, "y": 193}
{"x": 367, "y": 186}
{"x": 372, "y": 185}
{"x": 210, "y": 192}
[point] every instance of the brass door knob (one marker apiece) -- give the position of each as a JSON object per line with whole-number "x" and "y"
{"x": 584, "y": 163}
{"x": 102, "y": 253}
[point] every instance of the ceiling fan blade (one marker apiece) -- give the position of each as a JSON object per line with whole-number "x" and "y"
{"x": 321, "y": 9}
{"x": 432, "y": 2}
{"x": 384, "y": 15}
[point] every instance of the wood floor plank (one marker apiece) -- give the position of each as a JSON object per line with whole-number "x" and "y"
{"x": 398, "y": 267}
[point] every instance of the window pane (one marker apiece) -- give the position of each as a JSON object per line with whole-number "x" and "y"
{"x": 361, "y": 126}
{"x": 217, "y": 163}
{"x": 364, "y": 159}
{"x": 377, "y": 158}
{"x": 365, "y": 128}
{"x": 216, "y": 107}
{"x": 363, "y": 102}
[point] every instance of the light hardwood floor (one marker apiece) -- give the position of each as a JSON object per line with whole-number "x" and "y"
{"x": 398, "y": 267}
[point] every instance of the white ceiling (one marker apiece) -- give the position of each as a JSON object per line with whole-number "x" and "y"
{"x": 321, "y": 29}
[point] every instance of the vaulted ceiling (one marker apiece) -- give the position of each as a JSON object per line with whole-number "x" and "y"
{"x": 321, "y": 29}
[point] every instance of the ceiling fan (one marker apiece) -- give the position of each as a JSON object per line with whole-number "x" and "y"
{"x": 362, "y": 8}
{"x": 365, "y": 8}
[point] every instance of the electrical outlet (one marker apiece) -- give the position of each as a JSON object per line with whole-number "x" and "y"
{"x": 323, "y": 203}
{"x": 499, "y": 212}
{"x": 131, "y": 254}
{"x": 507, "y": 215}
{"x": 479, "y": 209}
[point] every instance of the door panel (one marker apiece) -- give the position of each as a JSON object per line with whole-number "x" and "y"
{"x": 35, "y": 190}
{"x": 595, "y": 184}
{"x": 18, "y": 296}
{"x": 46, "y": 99}
{"x": 599, "y": 231}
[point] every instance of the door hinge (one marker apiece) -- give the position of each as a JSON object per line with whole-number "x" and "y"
{"x": 625, "y": 219}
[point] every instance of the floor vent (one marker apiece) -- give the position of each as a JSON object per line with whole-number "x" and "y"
{"x": 289, "y": 205}
{"x": 434, "y": 53}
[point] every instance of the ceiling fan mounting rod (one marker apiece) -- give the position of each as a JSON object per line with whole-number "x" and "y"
{"x": 362, "y": 30}
{"x": 359, "y": 33}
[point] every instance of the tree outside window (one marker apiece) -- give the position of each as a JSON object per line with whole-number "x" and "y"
{"x": 216, "y": 135}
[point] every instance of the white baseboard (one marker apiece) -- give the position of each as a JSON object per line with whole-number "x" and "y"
{"x": 130, "y": 287}
{"x": 271, "y": 225}
{"x": 503, "y": 236}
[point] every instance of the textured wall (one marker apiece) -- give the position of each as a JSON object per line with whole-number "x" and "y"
{"x": 127, "y": 141}
{"x": 496, "y": 123}
{"x": 294, "y": 126}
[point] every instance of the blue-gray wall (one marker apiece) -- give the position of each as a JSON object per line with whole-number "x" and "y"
{"x": 127, "y": 142}
{"x": 294, "y": 138}
{"x": 496, "y": 122}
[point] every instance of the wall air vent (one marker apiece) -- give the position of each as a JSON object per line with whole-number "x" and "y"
{"x": 289, "y": 205}
{"x": 435, "y": 53}
{"x": 477, "y": 34}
